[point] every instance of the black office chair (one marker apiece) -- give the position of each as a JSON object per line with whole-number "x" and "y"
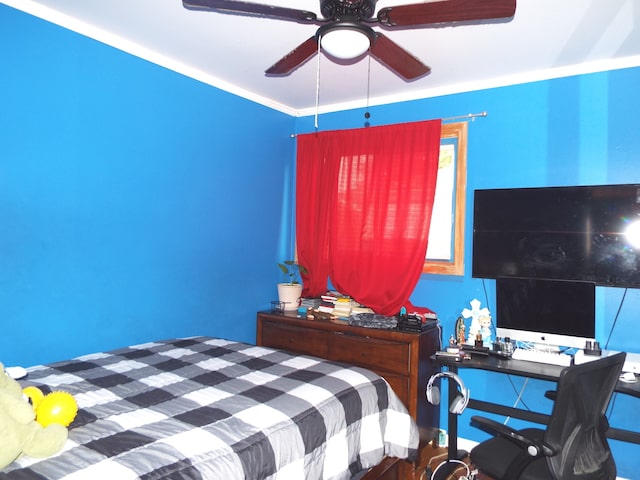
{"x": 574, "y": 444}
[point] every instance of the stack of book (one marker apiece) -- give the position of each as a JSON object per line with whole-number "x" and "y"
{"x": 335, "y": 304}
{"x": 360, "y": 309}
{"x": 310, "y": 303}
{"x": 325, "y": 308}
{"x": 343, "y": 306}
{"x": 330, "y": 296}
{"x": 326, "y": 302}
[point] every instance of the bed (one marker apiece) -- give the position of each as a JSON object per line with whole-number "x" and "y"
{"x": 209, "y": 408}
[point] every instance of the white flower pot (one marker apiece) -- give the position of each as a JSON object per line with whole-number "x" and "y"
{"x": 289, "y": 294}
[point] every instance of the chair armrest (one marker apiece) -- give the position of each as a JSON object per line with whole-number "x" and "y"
{"x": 494, "y": 428}
{"x": 534, "y": 447}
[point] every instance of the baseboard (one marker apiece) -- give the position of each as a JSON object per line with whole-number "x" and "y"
{"x": 466, "y": 444}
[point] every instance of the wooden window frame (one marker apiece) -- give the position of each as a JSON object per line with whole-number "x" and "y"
{"x": 455, "y": 266}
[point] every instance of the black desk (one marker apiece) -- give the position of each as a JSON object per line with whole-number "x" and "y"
{"x": 521, "y": 368}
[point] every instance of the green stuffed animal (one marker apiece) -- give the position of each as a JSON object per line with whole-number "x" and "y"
{"x": 19, "y": 431}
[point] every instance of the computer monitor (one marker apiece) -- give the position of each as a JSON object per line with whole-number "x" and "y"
{"x": 576, "y": 233}
{"x": 549, "y": 313}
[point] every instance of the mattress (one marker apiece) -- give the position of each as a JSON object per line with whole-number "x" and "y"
{"x": 210, "y": 408}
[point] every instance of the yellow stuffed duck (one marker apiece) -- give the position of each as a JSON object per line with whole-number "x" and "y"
{"x": 19, "y": 430}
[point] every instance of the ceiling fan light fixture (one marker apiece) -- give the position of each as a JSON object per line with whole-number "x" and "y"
{"x": 346, "y": 41}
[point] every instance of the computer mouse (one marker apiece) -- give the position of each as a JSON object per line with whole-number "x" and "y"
{"x": 628, "y": 377}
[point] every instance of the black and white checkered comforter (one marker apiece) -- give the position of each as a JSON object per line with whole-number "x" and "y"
{"x": 207, "y": 408}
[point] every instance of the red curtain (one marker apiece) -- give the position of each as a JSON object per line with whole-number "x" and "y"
{"x": 363, "y": 209}
{"x": 315, "y": 180}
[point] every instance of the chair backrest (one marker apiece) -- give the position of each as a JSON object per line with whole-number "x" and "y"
{"x": 578, "y": 423}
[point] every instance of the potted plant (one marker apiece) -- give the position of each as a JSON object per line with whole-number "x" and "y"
{"x": 290, "y": 290}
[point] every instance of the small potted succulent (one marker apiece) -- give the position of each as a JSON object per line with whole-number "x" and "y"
{"x": 290, "y": 290}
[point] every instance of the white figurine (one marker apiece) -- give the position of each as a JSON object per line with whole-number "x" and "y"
{"x": 480, "y": 328}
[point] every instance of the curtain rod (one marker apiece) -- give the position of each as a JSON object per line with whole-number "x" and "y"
{"x": 468, "y": 116}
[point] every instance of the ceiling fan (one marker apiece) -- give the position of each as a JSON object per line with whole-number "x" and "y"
{"x": 347, "y": 24}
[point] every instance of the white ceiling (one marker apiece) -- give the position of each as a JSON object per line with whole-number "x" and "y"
{"x": 546, "y": 39}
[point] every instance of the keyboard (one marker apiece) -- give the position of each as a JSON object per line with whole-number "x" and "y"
{"x": 542, "y": 356}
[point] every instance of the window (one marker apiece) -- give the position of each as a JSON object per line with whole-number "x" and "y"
{"x": 445, "y": 253}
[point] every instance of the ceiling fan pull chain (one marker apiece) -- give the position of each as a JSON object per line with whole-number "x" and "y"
{"x": 367, "y": 115}
{"x": 317, "y": 88}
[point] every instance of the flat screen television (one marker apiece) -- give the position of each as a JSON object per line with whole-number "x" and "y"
{"x": 581, "y": 233}
{"x": 546, "y": 312}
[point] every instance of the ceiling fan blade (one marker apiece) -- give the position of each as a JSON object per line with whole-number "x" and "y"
{"x": 446, "y": 11}
{"x": 251, "y": 9}
{"x": 397, "y": 59}
{"x": 294, "y": 58}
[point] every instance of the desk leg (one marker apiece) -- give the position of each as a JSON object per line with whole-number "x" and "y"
{"x": 453, "y": 453}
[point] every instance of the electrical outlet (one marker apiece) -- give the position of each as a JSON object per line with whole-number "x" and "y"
{"x": 443, "y": 438}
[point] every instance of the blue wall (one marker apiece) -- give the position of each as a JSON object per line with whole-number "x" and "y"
{"x": 570, "y": 131}
{"x": 135, "y": 203}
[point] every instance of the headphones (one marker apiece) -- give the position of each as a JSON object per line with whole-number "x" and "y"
{"x": 461, "y": 400}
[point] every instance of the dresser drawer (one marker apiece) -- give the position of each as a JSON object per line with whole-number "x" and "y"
{"x": 372, "y": 353}
{"x": 401, "y": 358}
{"x": 398, "y": 383}
{"x": 295, "y": 339}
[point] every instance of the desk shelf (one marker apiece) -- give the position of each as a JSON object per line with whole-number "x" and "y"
{"x": 535, "y": 370}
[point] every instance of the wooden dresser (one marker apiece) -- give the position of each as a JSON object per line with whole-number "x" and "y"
{"x": 402, "y": 358}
